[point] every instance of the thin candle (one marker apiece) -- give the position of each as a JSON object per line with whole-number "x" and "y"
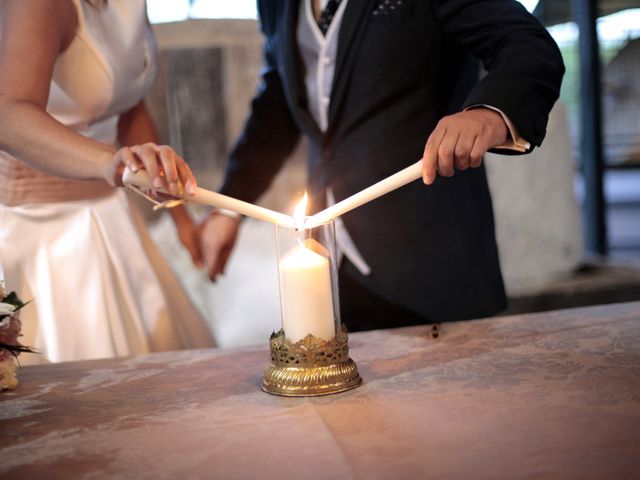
{"x": 214, "y": 199}
{"x": 376, "y": 190}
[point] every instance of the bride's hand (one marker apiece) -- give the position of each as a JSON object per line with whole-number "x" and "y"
{"x": 188, "y": 233}
{"x": 165, "y": 167}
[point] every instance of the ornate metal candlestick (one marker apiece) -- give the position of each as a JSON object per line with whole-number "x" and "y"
{"x": 310, "y": 354}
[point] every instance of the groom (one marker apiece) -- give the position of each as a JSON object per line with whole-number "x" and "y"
{"x": 376, "y": 85}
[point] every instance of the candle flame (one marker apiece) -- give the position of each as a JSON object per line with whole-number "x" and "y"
{"x": 300, "y": 212}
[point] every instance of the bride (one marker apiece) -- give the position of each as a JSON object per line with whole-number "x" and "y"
{"x": 73, "y": 75}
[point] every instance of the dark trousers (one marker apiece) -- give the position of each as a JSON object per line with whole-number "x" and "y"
{"x": 363, "y": 305}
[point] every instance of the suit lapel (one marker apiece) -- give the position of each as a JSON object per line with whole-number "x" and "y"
{"x": 293, "y": 85}
{"x": 354, "y": 24}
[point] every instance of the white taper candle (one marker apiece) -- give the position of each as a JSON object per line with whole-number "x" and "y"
{"x": 376, "y": 190}
{"x": 214, "y": 199}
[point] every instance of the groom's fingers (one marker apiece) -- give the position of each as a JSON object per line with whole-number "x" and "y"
{"x": 223, "y": 258}
{"x": 220, "y": 262}
{"x": 211, "y": 264}
{"x": 430, "y": 155}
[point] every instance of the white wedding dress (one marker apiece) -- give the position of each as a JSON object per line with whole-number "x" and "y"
{"x": 100, "y": 287}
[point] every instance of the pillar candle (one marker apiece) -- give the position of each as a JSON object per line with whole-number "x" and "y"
{"x": 307, "y": 302}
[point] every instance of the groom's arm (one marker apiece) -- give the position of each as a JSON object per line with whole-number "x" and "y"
{"x": 269, "y": 135}
{"x": 525, "y": 71}
{"x": 524, "y": 65}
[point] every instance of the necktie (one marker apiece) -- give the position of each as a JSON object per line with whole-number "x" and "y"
{"x": 327, "y": 15}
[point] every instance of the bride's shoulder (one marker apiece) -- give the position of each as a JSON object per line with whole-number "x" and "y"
{"x": 40, "y": 20}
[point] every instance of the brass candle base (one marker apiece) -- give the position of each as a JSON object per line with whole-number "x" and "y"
{"x": 310, "y": 367}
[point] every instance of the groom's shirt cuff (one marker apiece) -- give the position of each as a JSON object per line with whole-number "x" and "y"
{"x": 515, "y": 141}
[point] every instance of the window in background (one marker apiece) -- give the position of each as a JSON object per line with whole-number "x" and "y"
{"x": 177, "y": 10}
{"x": 619, "y": 42}
{"x": 614, "y": 32}
{"x": 161, "y": 11}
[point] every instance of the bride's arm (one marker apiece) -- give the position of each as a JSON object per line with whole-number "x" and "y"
{"x": 34, "y": 33}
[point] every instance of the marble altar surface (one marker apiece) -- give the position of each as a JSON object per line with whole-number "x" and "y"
{"x": 551, "y": 395}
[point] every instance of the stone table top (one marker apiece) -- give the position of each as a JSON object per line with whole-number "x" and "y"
{"x": 551, "y": 395}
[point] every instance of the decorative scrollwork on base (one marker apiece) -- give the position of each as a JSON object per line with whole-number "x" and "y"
{"x": 311, "y": 366}
{"x": 310, "y": 351}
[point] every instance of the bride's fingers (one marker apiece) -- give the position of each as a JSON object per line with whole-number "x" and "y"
{"x": 115, "y": 168}
{"x": 186, "y": 176}
{"x": 192, "y": 244}
{"x": 168, "y": 159}
{"x": 129, "y": 159}
{"x": 163, "y": 165}
{"x": 147, "y": 155}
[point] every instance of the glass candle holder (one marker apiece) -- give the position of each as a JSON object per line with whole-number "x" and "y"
{"x": 310, "y": 354}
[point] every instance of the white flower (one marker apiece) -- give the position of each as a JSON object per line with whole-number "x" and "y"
{"x": 6, "y": 308}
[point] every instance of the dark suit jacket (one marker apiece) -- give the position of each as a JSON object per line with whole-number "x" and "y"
{"x": 432, "y": 249}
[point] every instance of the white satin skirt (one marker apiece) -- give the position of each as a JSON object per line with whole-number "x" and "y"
{"x": 100, "y": 287}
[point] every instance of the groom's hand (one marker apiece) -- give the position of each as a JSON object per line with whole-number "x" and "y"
{"x": 461, "y": 140}
{"x": 218, "y": 235}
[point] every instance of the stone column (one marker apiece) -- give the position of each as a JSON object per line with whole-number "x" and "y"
{"x": 537, "y": 215}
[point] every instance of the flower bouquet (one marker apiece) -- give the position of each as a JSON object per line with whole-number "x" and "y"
{"x": 10, "y": 347}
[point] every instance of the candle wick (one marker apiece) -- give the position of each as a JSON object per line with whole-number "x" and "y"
{"x": 300, "y": 224}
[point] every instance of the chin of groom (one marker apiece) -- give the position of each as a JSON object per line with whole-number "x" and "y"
{"x": 376, "y": 85}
